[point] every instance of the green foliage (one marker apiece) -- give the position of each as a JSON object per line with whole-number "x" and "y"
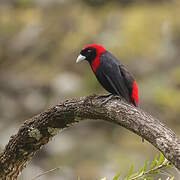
{"x": 148, "y": 170}
{"x": 154, "y": 162}
{"x": 130, "y": 172}
{"x": 117, "y": 176}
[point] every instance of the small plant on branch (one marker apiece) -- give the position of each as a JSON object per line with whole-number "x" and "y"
{"x": 157, "y": 167}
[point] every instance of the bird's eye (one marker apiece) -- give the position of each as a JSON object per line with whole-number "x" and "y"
{"x": 89, "y": 50}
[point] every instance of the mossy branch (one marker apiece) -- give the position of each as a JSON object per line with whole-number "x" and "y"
{"x": 38, "y": 130}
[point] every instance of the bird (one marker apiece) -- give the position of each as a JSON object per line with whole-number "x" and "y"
{"x": 111, "y": 74}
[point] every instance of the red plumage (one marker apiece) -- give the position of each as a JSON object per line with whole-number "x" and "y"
{"x": 100, "y": 49}
{"x": 135, "y": 95}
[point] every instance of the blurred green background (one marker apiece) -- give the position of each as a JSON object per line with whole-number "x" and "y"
{"x": 39, "y": 43}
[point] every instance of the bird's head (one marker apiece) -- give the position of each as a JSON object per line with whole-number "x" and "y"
{"x": 90, "y": 52}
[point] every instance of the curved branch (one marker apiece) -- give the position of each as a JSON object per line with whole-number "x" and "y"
{"x": 37, "y": 131}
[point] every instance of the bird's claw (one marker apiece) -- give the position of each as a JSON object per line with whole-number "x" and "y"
{"x": 108, "y": 97}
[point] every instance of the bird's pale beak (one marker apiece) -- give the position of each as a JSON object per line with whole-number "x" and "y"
{"x": 80, "y": 58}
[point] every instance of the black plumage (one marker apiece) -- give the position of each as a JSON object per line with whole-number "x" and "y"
{"x": 114, "y": 77}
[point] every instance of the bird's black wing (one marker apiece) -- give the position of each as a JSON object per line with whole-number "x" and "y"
{"x": 110, "y": 68}
{"x": 130, "y": 82}
{"x": 129, "y": 78}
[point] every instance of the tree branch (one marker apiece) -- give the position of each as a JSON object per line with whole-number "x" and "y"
{"x": 38, "y": 130}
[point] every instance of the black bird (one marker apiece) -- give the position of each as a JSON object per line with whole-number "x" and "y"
{"x": 111, "y": 74}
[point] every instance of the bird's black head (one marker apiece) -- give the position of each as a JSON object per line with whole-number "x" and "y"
{"x": 90, "y": 52}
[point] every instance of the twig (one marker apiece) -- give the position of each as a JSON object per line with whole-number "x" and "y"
{"x": 44, "y": 173}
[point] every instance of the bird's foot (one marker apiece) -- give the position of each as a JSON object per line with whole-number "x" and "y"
{"x": 107, "y": 98}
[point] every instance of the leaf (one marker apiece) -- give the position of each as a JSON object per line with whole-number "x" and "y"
{"x": 145, "y": 166}
{"x": 117, "y": 176}
{"x": 154, "y": 162}
{"x": 141, "y": 172}
{"x": 130, "y": 172}
{"x": 161, "y": 159}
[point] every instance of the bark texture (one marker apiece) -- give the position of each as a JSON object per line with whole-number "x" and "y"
{"x": 38, "y": 130}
